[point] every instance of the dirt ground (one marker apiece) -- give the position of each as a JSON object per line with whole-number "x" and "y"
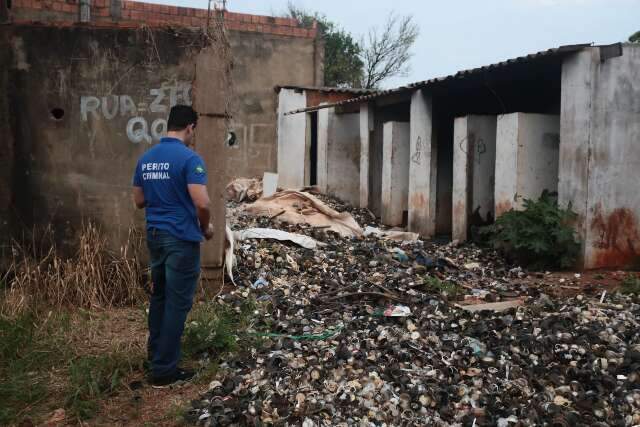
{"x": 136, "y": 403}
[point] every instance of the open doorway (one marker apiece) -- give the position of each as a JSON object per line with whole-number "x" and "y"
{"x": 311, "y": 167}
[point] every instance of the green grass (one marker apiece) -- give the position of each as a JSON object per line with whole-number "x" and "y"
{"x": 28, "y": 350}
{"x": 217, "y": 329}
{"x": 92, "y": 378}
{"x": 437, "y": 285}
{"x": 630, "y": 285}
{"x": 32, "y": 347}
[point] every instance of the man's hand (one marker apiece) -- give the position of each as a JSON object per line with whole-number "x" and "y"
{"x": 208, "y": 233}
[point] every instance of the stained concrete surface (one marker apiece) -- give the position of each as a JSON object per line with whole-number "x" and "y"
{"x": 343, "y": 157}
{"x": 527, "y": 158}
{"x": 422, "y": 167}
{"x": 395, "y": 175}
{"x": 292, "y": 134}
{"x": 70, "y": 144}
{"x": 474, "y": 157}
{"x": 261, "y": 62}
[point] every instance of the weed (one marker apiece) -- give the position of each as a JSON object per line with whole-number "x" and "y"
{"x": 540, "y": 235}
{"x": 451, "y": 289}
{"x": 599, "y": 276}
{"x": 177, "y": 414}
{"x": 92, "y": 378}
{"x": 95, "y": 276}
{"x": 28, "y": 349}
{"x": 217, "y": 329}
{"x": 630, "y": 285}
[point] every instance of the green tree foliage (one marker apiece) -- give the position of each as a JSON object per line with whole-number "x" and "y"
{"x": 343, "y": 66}
{"x": 635, "y": 37}
{"x": 540, "y": 236}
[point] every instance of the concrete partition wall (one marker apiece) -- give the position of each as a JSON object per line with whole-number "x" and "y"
{"x": 422, "y": 166}
{"x": 474, "y": 158}
{"x": 291, "y": 139}
{"x": 367, "y": 125}
{"x": 600, "y": 154}
{"x": 395, "y": 172}
{"x": 339, "y": 155}
{"x": 527, "y": 157}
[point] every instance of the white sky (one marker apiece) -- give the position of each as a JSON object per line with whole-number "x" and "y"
{"x": 461, "y": 34}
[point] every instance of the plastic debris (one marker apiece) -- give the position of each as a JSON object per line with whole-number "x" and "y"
{"x": 397, "y": 311}
{"x": 270, "y": 233}
{"x": 260, "y": 283}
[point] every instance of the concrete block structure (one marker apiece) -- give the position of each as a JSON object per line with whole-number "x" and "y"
{"x": 339, "y": 155}
{"x": 474, "y": 170}
{"x": 395, "y": 175}
{"x": 566, "y": 120}
{"x": 526, "y": 158}
{"x": 70, "y": 144}
{"x": 83, "y": 100}
{"x": 311, "y": 146}
{"x": 600, "y": 153}
{"x": 267, "y": 51}
{"x": 422, "y": 166}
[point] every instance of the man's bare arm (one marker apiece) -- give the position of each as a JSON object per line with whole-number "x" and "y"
{"x": 138, "y": 197}
{"x": 200, "y": 197}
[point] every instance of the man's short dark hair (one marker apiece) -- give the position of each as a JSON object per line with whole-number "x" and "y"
{"x": 180, "y": 117}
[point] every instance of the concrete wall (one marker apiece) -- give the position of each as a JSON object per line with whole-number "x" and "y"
{"x": 343, "y": 156}
{"x": 292, "y": 135}
{"x": 422, "y": 167}
{"x": 395, "y": 174}
{"x": 261, "y": 62}
{"x": 600, "y": 154}
{"x": 367, "y": 126}
{"x": 112, "y": 90}
{"x": 474, "y": 158}
{"x": 267, "y": 51}
{"x": 527, "y": 157}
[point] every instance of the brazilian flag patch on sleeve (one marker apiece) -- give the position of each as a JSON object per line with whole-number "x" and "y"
{"x": 199, "y": 170}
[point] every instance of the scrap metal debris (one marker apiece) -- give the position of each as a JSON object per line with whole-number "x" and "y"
{"x": 370, "y": 331}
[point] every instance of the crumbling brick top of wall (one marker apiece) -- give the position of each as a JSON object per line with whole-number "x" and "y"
{"x": 134, "y": 13}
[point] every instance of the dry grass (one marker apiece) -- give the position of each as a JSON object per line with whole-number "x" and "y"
{"x": 93, "y": 277}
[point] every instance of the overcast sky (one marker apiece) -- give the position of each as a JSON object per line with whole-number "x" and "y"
{"x": 461, "y": 34}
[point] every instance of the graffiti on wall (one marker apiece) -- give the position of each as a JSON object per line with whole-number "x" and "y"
{"x": 147, "y": 118}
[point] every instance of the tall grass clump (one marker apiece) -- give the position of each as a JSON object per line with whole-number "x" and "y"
{"x": 93, "y": 276}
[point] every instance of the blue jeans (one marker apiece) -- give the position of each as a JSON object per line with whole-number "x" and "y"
{"x": 175, "y": 268}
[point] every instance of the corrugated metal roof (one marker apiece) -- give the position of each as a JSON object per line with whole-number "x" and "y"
{"x": 356, "y": 91}
{"x": 457, "y": 76}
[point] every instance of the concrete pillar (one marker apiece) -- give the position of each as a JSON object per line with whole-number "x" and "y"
{"x": 422, "y": 166}
{"x": 600, "y": 153}
{"x": 343, "y": 157}
{"x": 395, "y": 175}
{"x": 291, "y": 138}
{"x": 575, "y": 137}
{"x": 324, "y": 128}
{"x": 367, "y": 124}
{"x": 527, "y": 155}
{"x": 474, "y": 158}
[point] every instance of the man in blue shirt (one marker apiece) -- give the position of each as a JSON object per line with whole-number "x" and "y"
{"x": 170, "y": 184}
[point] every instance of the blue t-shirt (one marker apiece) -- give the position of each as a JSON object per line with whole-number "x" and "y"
{"x": 163, "y": 172}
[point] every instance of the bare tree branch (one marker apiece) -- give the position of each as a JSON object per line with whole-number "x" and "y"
{"x": 386, "y": 52}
